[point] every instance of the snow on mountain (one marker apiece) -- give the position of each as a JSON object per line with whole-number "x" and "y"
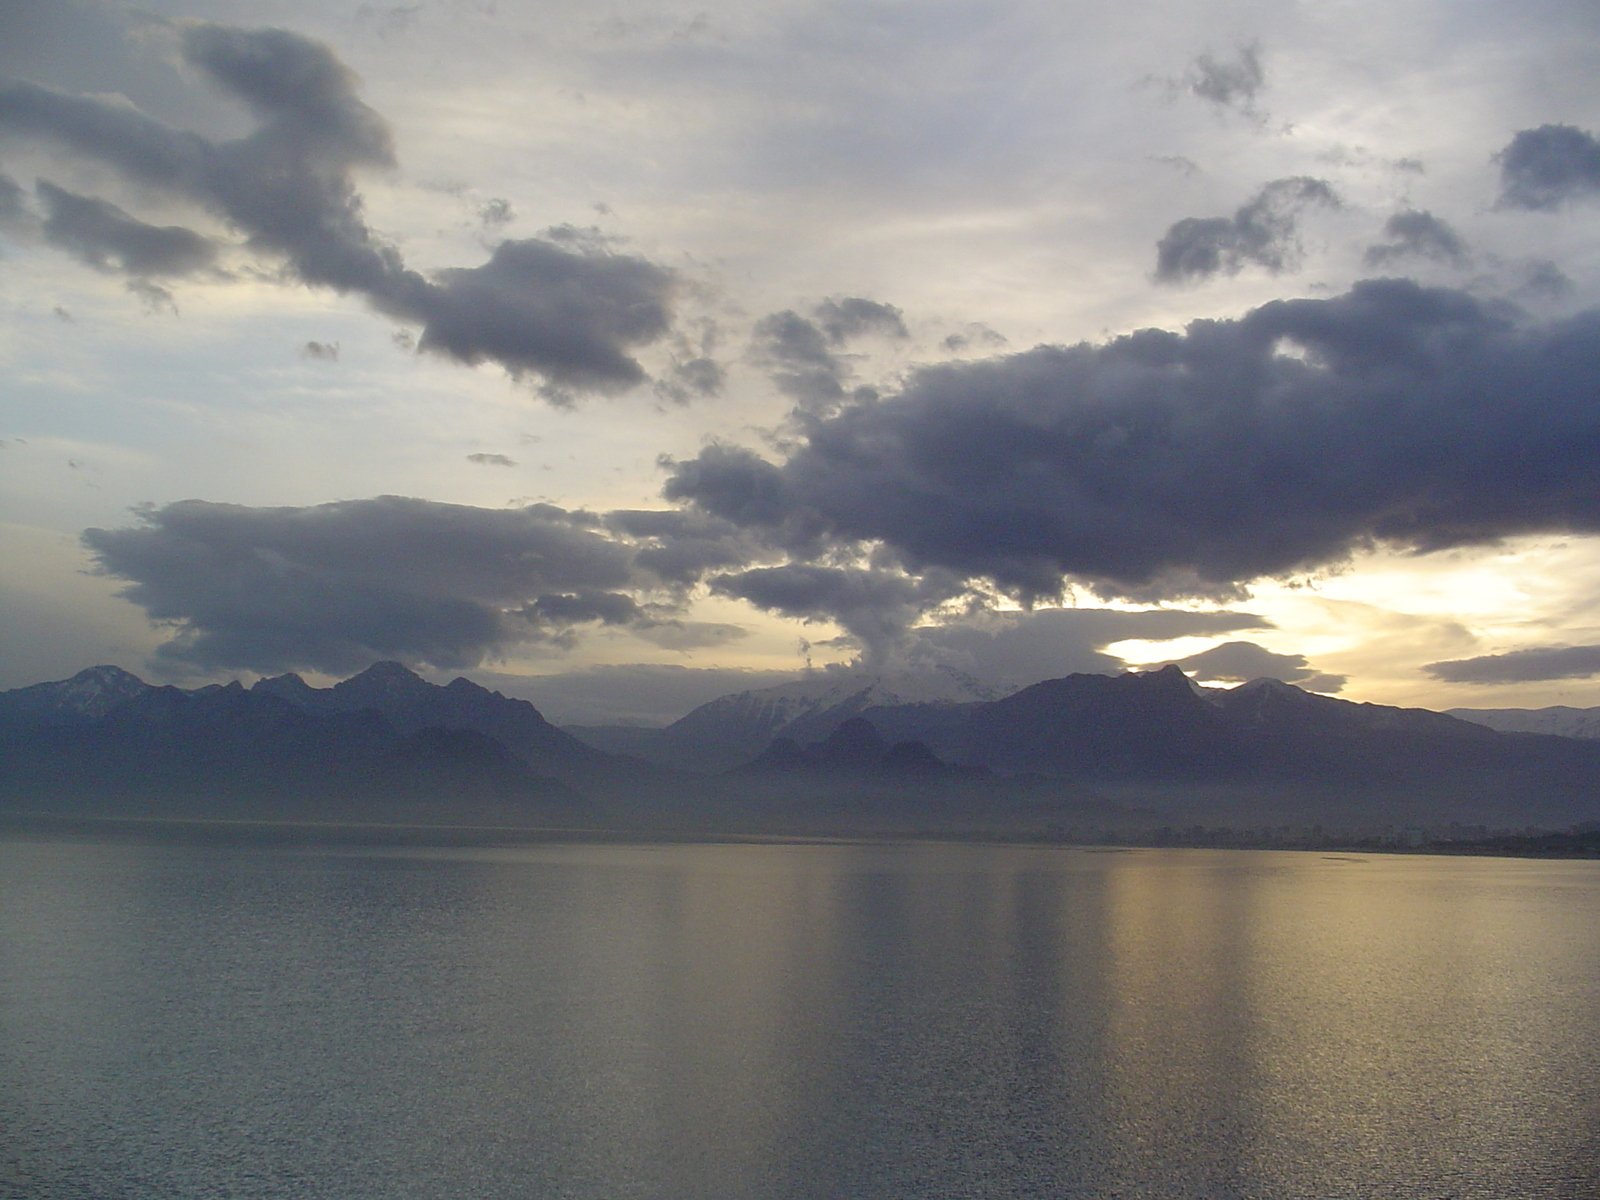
{"x": 91, "y": 693}
{"x": 1559, "y": 719}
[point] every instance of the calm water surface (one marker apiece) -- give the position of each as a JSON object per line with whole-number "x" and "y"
{"x": 794, "y": 1021}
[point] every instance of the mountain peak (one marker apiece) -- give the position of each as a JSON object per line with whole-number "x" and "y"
{"x": 383, "y": 681}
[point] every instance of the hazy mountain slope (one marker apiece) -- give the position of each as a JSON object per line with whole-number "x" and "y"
{"x": 1558, "y": 720}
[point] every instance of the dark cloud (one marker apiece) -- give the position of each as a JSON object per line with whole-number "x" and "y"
{"x": 492, "y": 460}
{"x": 1239, "y": 662}
{"x": 1521, "y": 666}
{"x": 334, "y": 586}
{"x": 1414, "y": 233}
{"x": 1261, "y": 233}
{"x": 1229, "y": 83}
{"x": 1166, "y": 464}
{"x": 561, "y": 609}
{"x": 803, "y": 351}
{"x": 568, "y": 313}
{"x": 691, "y": 378}
{"x": 536, "y": 307}
{"x": 804, "y": 367}
{"x": 1546, "y": 167}
{"x": 108, "y": 239}
{"x": 853, "y": 316}
{"x": 874, "y": 606}
{"x": 321, "y": 351}
{"x": 679, "y": 547}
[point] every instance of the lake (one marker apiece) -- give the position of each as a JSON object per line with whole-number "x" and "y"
{"x": 793, "y": 1020}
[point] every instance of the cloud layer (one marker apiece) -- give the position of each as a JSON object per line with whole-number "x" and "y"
{"x": 333, "y": 587}
{"x": 568, "y": 313}
{"x": 1161, "y": 465}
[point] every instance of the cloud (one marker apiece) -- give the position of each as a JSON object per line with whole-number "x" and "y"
{"x": 804, "y": 366}
{"x": 1226, "y": 83}
{"x": 496, "y": 213}
{"x": 853, "y": 316}
{"x": 802, "y": 351}
{"x": 1160, "y": 464}
{"x": 321, "y": 351}
{"x": 1547, "y": 167}
{"x": 333, "y": 587}
{"x": 1261, "y": 233}
{"x": 536, "y": 307}
{"x": 491, "y": 460}
{"x": 1239, "y": 662}
{"x": 108, "y": 239}
{"x": 152, "y": 296}
{"x": 1022, "y": 648}
{"x": 874, "y": 606}
{"x": 1521, "y": 666}
{"x": 14, "y": 211}
{"x": 569, "y": 314}
{"x": 974, "y": 335}
{"x": 1414, "y": 233}
{"x": 679, "y": 547}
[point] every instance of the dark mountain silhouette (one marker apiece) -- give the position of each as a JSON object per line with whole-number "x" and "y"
{"x": 228, "y": 751}
{"x": 411, "y": 704}
{"x": 1145, "y": 748}
{"x": 854, "y": 748}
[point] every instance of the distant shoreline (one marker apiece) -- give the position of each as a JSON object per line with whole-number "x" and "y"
{"x": 242, "y": 831}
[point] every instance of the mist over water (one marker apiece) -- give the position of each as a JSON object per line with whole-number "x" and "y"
{"x": 794, "y": 1021}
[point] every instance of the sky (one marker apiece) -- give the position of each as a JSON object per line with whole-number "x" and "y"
{"x": 624, "y": 358}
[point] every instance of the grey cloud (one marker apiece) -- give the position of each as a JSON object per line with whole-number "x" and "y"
{"x": 569, "y": 314}
{"x": 1546, "y": 167}
{"x": 496, "y": 213}
{"x": 1238, "y": 662}
{"x": 1261, "y": 233}
{"x": 874, "y": 606}
{"x": 1163, "y": 464}
{"x": 13, "y": 205}
{"x": 1229, "y": 83}
{"x": 561, "y": 609}
{"x": 1545, "y": 280}
{"x": 975, "y": 335}
{"x": 1521, "y": 666}
{"x": 679, "y": 547}
{"x": 107, "y": 238}
{"x": 334, "y": 586}
{"x": 321, "y": 351}
{"x": 803, "y": 351}
{"x": 536, "y": 307}
{"x": 853, "y": 316}
{"x": 492, "y": 460}
{"x": 693, "y": 377}
{"x": 804, "y": 367}
{"x": 1415, "y": 233}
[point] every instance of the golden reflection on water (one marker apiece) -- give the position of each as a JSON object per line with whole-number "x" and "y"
{"x": 798, "y": 1021}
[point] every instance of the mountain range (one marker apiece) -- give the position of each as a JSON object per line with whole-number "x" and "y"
{"x": 836, "y": 754}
